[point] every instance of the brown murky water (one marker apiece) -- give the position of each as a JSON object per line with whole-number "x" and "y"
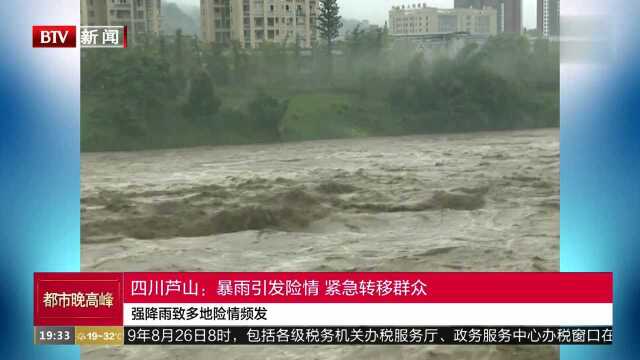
{"x": 475, "y": 202}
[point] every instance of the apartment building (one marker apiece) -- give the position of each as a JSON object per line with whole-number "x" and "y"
{"x": 255, "y": 22}
{"x": 415, "y": 20}
{"x": 140, "y": 16}
{"x": 510, "y": 16}
{"x": 549, "y": 18}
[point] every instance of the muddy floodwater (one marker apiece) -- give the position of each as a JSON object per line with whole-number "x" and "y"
{"x": 473, "y": 202}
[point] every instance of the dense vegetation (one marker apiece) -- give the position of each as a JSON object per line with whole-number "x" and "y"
{"x": 175, "y": 91}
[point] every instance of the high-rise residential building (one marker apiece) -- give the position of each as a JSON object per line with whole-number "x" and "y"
{"x": 510, "y": 16}
{"x": 140, "y": 16}
{"x": 254, "y": 22}
{"x": 549, "y": 18}
{"x": 418, "y": 20}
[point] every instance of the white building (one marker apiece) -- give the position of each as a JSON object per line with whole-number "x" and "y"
{"x": 423, "y": 20}
{"x": 140, "y": 16}
{"x": 255, "y": 22}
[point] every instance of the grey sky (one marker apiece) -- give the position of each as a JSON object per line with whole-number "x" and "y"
{"x": 376, "y": 11}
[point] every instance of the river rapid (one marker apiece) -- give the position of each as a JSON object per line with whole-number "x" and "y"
{"x": 469, "y": 202}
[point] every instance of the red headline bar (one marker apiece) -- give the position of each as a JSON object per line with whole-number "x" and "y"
{"x": 368, "y": 287}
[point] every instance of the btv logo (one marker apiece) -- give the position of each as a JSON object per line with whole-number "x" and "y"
{"x": 54, "y": 36}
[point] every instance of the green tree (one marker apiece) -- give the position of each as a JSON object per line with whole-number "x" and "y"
{"x": 178, "y": 56}
{"x": 546, "y": 65}
{"x": 267, "y": 113}
{"x": 123, "y": 110}
{"x": 273, "y": 63}
{"x": 162, "y": 44}
{"x": 417, "y": 67}
{"x": 329, "y": 21}
{"x": 329, "y": 25}
{"x": 508, "y": 55}
{"x": 240, "y": 62}
{"x": 178, "y": 69}
{"x": 217, "y": 65}
{"x": 202, "y": 101}
{"x": 355, "y": 44}
{"x": 297, "y": 57}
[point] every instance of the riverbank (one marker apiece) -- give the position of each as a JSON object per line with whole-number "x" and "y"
{"x": 308, "y": 116}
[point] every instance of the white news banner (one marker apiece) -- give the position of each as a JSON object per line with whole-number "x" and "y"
{"x": 372, "y": 314}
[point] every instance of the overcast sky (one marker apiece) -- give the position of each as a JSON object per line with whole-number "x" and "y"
{"x": 376, "y": 11}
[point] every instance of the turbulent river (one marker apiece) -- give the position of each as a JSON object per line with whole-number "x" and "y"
{"x": 474, "y": 202}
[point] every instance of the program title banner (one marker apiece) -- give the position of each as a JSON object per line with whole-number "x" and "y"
{"x": 323, "y": 308}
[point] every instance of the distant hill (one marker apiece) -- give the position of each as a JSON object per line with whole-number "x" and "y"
{"x": 175, "y": 18}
